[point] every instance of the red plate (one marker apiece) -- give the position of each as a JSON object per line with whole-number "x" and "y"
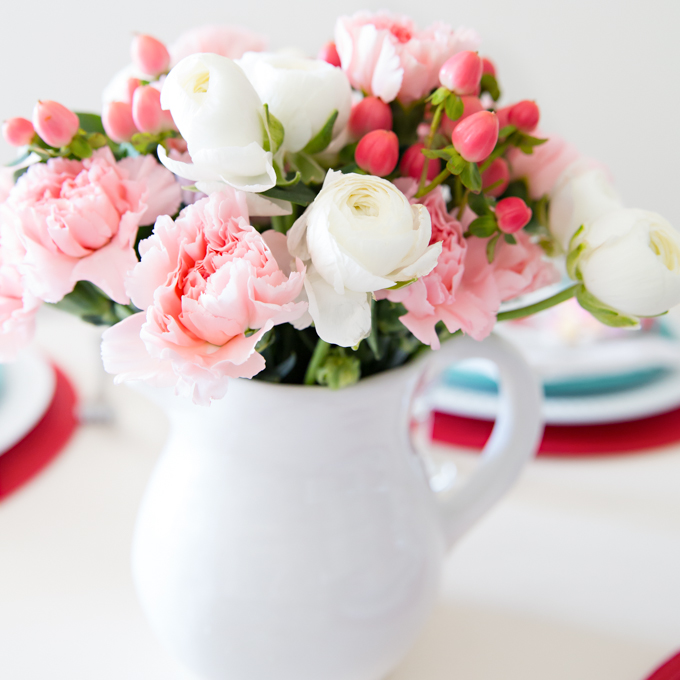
{"x": 43, "y": 443}
{"x": 569, "y": 440}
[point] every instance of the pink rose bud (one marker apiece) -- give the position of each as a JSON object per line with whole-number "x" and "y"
{"x": 461, "y": 73}
{"x": 117, "y": 121}
{"x": 524, "y": 116}
{"x": 512, "y": 214}
{"x": 329, "y": 53}
{"x": 370, "y": 114}
{"x": 488, "y": 67}
{"x": 471, "y": 104}
{"x": 18, "y": 131}
{"x": 55, "y": 124}
{"x": 146, "y": 109}
{"x": 412, "y": 163}
{"x": 149, "y": 55}
{"x": 497, "y": 172}
{"x": 378, "y": 152}
{"x": 475, "y": 137}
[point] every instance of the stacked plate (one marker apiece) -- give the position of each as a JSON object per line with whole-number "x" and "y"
{"x": 591, "y": 374}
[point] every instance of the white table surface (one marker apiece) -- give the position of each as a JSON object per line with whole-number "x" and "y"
{"x": 575, "y": 575}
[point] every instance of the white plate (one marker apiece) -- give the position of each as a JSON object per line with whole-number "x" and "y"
{"x": 647, "y": 400}
{"x": 27, "y": 393}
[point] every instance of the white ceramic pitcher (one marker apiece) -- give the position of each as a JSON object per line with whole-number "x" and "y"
{"x": 289, "y": 532}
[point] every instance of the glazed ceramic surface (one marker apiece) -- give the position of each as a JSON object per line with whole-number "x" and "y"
{"x": 290, "y": 532}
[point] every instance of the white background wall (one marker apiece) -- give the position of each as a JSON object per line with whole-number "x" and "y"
{"x": 606, "y": 74}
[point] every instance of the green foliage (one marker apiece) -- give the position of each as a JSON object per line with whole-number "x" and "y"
{"x": 604, "y": 313}
{"x": 91, "y": 122}
{"x": 92, "y": 305}
{"x": 341, "y": 368}
{"x": 471, "y": 178}
{"x": 310, "y": 171}
{"x": 405, "y": 120}
{"x": 298, "y": 194}
{"x": 273, "y": 131}
{"x": 323, "y": 138}
{"x": 491, "y": 247}
{"x": 483, "y": 226}
{"x": 453, "y": 106}
{"x": 490, "y": 84}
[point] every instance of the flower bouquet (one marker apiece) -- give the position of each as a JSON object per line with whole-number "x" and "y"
{"x": 235, "y": 213}
{"x": 239, "y": 213}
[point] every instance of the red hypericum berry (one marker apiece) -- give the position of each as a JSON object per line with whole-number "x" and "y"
{"x": 461, "y": 73}
{"x": 18, "y": 131}
{"x": 329, "y": 53}
{"x": 149, "y": 55}
{"x": 475, "y": 137}
{"x": 370, "y": 114}
{"x": 488, "y": 67}
{"x": 412, "y": 163}
{"x": 497, "y": 173}
{"x": 146, "y": 109}
{"x": 471, "y": 104}
{"x": 117, "y": 121}
{"x": 524, "y": 115}
{"x": 55, "y": 124}
{"x": 378, "y": 152}
{"x": 512, "y": 214}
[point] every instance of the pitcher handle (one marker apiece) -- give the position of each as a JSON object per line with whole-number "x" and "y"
{"x": 515, "y": 437}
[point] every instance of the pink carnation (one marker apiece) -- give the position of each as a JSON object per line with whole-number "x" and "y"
{"x": 387, "y": 56}
{"x": 227, "y": 41}
{"x": 542, "y": 168}
{"x": 464, "y": 290}
{"x": 17, "y": 307}
{"x": 77, "y": 220}
{"x": 210, "y": 288}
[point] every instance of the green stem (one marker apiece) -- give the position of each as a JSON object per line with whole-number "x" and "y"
{"x": 436, "y": 119}
{"x": 282, "y": 223}
{"x": 318, "y": 356}
{"x": 540, "y": 306}
{"x": 463, "y": 203}
{"x": 444, "y": 174}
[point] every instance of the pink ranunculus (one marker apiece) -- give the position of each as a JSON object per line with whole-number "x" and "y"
{"x": 210, "y": 288}
{"x": 464, "y": 290}
{"x": 164, "y": 192}
{"x": 386, "y": 56}
{"x": 542, "y": 168}
{"x": 227, "y": 41}
{"x": 77, "y": 221}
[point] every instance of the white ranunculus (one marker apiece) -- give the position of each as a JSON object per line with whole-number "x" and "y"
{"x": 630, "y": 260}
{"x": 360, "y": 235}
{"x": 220, "y": 116}
{"x": 582, "y": 194}
{"x": 301, "y": 93}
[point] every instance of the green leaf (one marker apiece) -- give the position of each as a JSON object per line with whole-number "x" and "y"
{"x": 572, "y": 262}
{"x": 310, "y": 171}
{"x": 490, "y": 84}
{"x": 298, "y": 194}
{"x": 438, "y": 153}
{"x": 453, "y": 106}
{"x": 406, "y": 119}
{"x": 471, "y": 178}
{"x": 604, "y": 313}
{"x": 322, "y": 138}
{"x": 509, "y": 238}
{"x": 79, "y": 147}
{"x": 273, "y": 131}
{"x": 456, "y": 164}
{"x": 518, "y": 189}
{"x": 289, "y": 182}
{"x": 282, "y": 223}
{"x": 479, "y": 204}
{"x": 402, "y": 284}
{"x": 91, "y": 122}
{"x": 506, "y": 131}
{"x": 144, "y": 142}
{"x": 340, "y": 369}
{"x": 491, "y": 248}
{"x": 92, "y": 305}
{"x": 346, "y": 154}
{"x": 372, "y": 339}
{"x": 439, "y": 96}
{"x": 20, "y": 159}
{"x": 97, "y": 140}
{"x": 483, "y": 227}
